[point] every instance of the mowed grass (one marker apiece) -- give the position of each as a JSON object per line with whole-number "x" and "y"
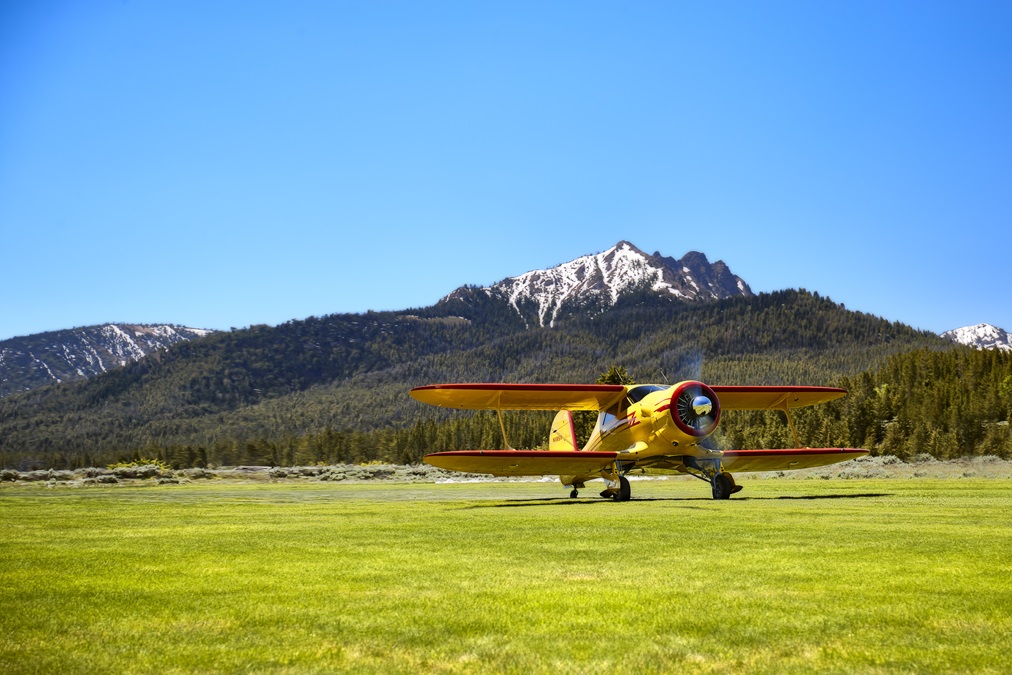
{"x": 829, "y": 575}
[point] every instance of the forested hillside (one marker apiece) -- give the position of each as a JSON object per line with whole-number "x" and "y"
{"x": 335, "y": 388}
{"x": 948, "y": 403}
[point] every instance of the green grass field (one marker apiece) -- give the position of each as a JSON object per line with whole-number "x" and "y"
{"x": 828, "y": 575}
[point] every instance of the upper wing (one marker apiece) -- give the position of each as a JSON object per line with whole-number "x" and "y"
{"x": 520, "y": 396}
{"x": 522, "y": 462}
{"x": 602, "y": 396}
{"x": 773, "y": 398}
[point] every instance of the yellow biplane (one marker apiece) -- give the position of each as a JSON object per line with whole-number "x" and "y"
{"x": 645, "y": 426}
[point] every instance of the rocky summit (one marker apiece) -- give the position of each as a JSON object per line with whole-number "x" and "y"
{"x": 594, "y": 283}
{"x": 79, "y": 353}
{"x": 981, "y": 336}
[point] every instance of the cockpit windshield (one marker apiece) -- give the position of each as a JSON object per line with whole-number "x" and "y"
{"x": 637, "y": 393}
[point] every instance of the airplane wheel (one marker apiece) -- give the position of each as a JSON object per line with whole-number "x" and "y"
{"x": 722, "y": 486}
{"x": 574, "y": 494}
{"x": 624, "y": 492}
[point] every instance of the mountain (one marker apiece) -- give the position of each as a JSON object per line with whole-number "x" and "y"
{"x": 592, "y": 284}
{"x": 79, "y": 353}
{"x": 981, "y": 336}
{"x": 334, "y": 389}
{"x": 587, "y": 286}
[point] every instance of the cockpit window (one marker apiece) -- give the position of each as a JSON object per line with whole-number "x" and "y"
{"x": 637, "y": 393}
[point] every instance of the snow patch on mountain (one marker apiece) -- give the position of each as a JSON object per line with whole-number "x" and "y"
{"x": 981, "y": 336}
{"x": 597, "y": 282}
{"x": 79, "y": 353}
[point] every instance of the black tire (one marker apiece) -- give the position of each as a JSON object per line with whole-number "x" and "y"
{"x": 722, "y": 486}
{"x": 624, "y": 492}
{"x": 574, "y": 494}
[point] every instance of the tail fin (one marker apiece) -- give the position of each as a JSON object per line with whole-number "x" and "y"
{"x": 563, "y": 436}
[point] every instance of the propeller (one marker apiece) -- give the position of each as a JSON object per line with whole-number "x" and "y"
{"x": 696, "y": 409}
{"x": 685, "y": 364}
{"x": 695, "y": 365}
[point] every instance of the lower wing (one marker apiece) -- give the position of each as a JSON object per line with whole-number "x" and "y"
{"x": 790, "y": 458}
{"x": 757, "y": 460}
{"x": 522, "y": 462}
{"x": 583, "y": 463}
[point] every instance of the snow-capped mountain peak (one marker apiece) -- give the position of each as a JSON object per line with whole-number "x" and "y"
{"x": 981, "y": 336}
{"x": 596, "y": 282}
{"x": 78, "y": 353}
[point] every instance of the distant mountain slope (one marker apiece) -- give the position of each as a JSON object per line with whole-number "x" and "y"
{"x": 981, "y": 336}
{"x": 79, "y": 353}
{"x": 593, "y": 283}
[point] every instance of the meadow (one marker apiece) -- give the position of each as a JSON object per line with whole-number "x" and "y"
{"x": 834, "y": 575}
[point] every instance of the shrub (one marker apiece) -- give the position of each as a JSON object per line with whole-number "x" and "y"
{"x": 143, "y": 461}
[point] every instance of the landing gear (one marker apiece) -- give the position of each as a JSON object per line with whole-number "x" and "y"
{"x": 721, "y": 486}
{"x": 624, "y": 493}
{"x": 618, "y": 485}
{"x": 721, "y": 483}
{"x": 574, "y": 494}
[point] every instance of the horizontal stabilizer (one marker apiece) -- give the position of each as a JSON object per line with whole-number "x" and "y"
{"x": 522, "y": 462}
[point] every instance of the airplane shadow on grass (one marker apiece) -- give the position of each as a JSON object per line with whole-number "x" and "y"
{"x": 567, "y": 501}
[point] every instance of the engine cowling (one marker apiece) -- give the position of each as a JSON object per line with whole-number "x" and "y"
{"x": 695, "y": 409}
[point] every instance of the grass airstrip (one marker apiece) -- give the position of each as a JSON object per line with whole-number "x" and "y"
{"x": 830, "y": 575}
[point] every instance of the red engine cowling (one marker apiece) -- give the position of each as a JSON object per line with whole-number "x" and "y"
{"x": 695, "y": 409}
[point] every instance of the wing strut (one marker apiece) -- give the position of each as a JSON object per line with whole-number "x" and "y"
{"x": 502, "y": 424}
{"x": 790, "y": 421}
{"x": 783, "y": 404}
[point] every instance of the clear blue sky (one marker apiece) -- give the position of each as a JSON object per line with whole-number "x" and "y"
{"x": 220, "y": 164}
